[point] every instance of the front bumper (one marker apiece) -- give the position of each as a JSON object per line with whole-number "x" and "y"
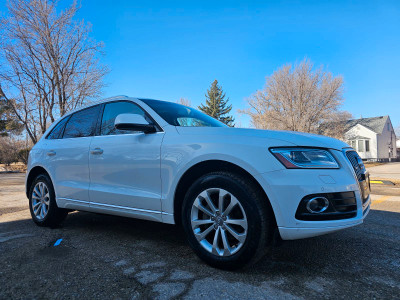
{"x": 293, "y": 233}
{"x": 285, "y": 189}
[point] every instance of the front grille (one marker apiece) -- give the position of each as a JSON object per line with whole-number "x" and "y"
{"x": 362, "y": 175}
{"x": 341, "y": 206}
{"x": 357, "y": 163}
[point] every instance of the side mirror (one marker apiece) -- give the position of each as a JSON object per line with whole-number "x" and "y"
{"x": 133, "y": 122}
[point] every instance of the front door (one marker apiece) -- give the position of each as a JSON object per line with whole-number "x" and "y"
{"x": 125, "y": 166}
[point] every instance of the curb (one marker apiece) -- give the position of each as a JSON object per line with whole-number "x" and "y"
{"x": 384, "y": 182}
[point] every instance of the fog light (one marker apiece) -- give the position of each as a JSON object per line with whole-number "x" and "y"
{"x": 317, "y": 205}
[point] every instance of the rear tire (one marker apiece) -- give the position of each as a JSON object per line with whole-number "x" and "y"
{"x": 43, "y": 205}
{"x": 243, "y": 223}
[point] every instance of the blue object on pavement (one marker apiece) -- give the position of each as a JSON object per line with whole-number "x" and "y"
{"x": 58, "y": 242}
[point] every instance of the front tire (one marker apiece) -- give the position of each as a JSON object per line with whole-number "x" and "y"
{"x": 42, "y": 203}
{"x": 227, "y": 220}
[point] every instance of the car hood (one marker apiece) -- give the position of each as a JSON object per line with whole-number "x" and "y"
{"x": 293, "y": 137}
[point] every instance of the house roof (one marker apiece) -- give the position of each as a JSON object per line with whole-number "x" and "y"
{"x": 376, "y": 124}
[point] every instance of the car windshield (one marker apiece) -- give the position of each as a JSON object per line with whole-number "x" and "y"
{"x": 180, "y": 115}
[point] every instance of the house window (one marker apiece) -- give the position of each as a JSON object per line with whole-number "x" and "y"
{"x": 366, "y": 146}
{"x": 360, "y": 145}
{"x": 353, "y": 144}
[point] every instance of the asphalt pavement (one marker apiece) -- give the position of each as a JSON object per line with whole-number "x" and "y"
{"x": 102, "y": 257}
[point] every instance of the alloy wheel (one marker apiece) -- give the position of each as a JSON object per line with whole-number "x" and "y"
{"x": 219, "y": 222}
{"x": 40, "y": 200}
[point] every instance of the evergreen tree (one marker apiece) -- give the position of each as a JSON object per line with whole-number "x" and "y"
{"x": 3, "y": 120}
{"x": 8, "y": 123}
{"x": 216, "y": 106}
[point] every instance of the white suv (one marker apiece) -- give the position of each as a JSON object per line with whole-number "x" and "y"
{"x": 231, "y": 189}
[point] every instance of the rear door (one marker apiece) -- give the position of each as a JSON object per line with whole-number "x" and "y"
{"x": 68, "y": 156}
{"x": 125, "y": 165}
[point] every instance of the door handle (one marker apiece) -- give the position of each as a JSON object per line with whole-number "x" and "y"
{"x": 96, "y": 151}
{"x": 51, "y": 153}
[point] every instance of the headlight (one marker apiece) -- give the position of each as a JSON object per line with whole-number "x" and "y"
{"x": 304, "y": 158}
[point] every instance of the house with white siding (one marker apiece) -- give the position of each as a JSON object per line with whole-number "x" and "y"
{"x": 373, "y": 138}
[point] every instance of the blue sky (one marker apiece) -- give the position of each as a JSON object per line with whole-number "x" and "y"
{"x": 172, "y": 49}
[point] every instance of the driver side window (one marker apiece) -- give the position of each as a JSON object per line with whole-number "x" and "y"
{"x": 112, "y": 110}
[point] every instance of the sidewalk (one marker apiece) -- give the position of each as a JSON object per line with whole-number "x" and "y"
{"x": 386, "y": 171}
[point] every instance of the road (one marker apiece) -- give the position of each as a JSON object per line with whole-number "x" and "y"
{"x": 387, "y": 171}
{"x": 102, "y": 257}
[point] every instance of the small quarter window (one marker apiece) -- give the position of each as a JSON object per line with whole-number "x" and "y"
{"x": 56, "y": 132}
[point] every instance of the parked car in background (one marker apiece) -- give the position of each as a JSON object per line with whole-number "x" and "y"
{"x": 231, "y": 189}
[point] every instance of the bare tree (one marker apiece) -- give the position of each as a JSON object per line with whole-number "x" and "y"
{"x": 297, "y": 98}
{"x": 397, "y": 131}
{"x": 184, "y": 101}
{"x": 49, "y": 64}
{"x": 336, "y": 125}
{"x": 9, "y": 149}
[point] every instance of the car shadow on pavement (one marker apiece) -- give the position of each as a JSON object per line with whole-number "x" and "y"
{"x": 95, "y": 247}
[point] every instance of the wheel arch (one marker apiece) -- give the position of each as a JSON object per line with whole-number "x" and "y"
{"x": 33, "y": 173}
{"x": 205, "y": 167}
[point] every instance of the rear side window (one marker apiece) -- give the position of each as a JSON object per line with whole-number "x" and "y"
{"x": 57, "y": 131}
{"x": 112, "y": 110}
{"x": 82, "y": 123}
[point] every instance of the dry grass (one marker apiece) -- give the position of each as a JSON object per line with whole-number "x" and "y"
{"x": 373, "y": 164}
{"x": 14, "y": 167}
